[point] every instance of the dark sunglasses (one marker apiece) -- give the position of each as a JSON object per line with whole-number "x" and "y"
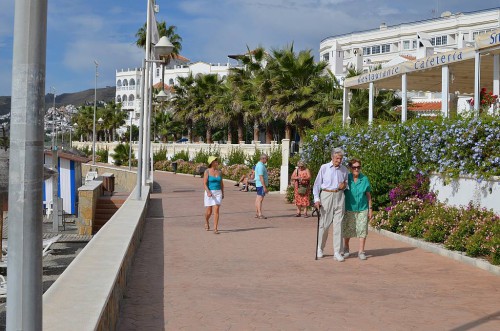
{"x": 356, "y": 168}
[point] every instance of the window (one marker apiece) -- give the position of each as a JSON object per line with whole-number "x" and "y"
{"x": 125, "y": 82}
{"x": 171, "y": 81}
{"x": 367, "y": 50}
{"x": 438, "y": 41}
{"x": 131, "y": 97}
{"x": 414, "y": 44}
{"x": 477, "y": 33}
{"x": 406, "y": 44}
{"x": 386, "y": 48}
{"x": 132, "y": 82}
{"x": 119, "y": 83}
{"x": 124, "y": 98}
{"x": 157, "y": 72}
{"x": 118, "y": 99}
{"x": 326, "y": 57}
{"x": 376, "y": 49}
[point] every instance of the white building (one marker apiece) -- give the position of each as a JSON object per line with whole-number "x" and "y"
{"x": 128, "y": 89}
{"x": 367, "y": 50}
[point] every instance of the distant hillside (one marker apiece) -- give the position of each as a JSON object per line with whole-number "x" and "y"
{"x": 77, "y": 99}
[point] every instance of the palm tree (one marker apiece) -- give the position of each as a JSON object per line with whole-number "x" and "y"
{"x": 84, "y": 119}
{"x": 252, "y": 88}
{"x": 163, "y": 30}
{"x": 328, "y": 97}
{"x": 384, "y": 104}
{"x": 182, "y": 103}
{"x": 293, "y": 81}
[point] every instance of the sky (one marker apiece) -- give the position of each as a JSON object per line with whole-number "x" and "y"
{"x": 81, "y": 31}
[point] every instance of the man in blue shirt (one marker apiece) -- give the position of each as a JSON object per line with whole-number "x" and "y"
{"x": 261, "y": 182}
{"x": 328, "y": 191}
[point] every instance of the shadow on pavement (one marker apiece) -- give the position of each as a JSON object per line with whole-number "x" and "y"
{"x": 247, "y": 229}
{"x": 387, "y": 251}
{"x": 145, "y": 282}
{"x": 476, "y": 323}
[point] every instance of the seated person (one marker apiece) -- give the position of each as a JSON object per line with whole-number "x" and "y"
{"x": 245, "y": 178}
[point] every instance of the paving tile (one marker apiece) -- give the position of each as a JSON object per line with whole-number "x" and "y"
{"x": 262, "y": 275}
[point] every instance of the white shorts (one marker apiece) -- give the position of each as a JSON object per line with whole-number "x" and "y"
{"x": 215, "y": 199}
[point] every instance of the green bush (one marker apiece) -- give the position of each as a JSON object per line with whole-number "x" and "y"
{"x": 290, "y": 194}
{"x": 236, "y": 156}
{"x": 275, "y": 158}
{"x": 120, "y": 155}
{"x": 160, "y": 155}
{"x": 103, "y": 154}
{"x": 392, "y": 153}
{"x": 201, "y": 157}
{"x": 254, "y": 158}
{"x": 182, "y": 155}
{"x": 86, "y": 150}
{"x": 470, "y": 229}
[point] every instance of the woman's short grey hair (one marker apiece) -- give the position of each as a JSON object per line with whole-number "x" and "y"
{"x": 264, "y": 156}
{"x": 337, "y": 150}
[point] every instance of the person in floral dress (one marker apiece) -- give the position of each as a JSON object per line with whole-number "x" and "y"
{"x": 301, "y": 176}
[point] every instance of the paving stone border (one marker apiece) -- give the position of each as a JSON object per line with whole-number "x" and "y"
{"x": 439, "y": 249}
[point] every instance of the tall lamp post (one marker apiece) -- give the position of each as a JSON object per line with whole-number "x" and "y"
{"x": 95, "y": 109}
{"x": 163, "y": 48}
{"x": 131, "y": 112}
{"x": 53, "y": 113}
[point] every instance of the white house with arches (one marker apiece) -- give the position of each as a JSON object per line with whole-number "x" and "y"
{"x": 128, "y": 81}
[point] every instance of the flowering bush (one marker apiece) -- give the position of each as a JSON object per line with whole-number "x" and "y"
{"x": 486, "y": 99}
{"x": 232, "y": 172}
{"x": 470, "y": 229}
{"x": 393, "y": 153}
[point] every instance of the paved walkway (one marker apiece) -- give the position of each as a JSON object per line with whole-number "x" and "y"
{"x": 261, "y": 274}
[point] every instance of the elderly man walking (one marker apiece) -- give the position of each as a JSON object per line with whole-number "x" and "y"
{"x": 328, "y": 191}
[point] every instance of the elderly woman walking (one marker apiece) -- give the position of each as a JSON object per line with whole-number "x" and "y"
{"x": 302, "y": 178}
{"x": 358, "y": 205}
{"x": 214, "y": 192}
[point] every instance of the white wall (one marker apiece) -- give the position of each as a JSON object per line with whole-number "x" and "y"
{"x": 463, "y": 190}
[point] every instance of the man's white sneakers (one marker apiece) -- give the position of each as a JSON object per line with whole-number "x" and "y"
{"x": 338, "y": 257}
{"x": 319, "y": 254}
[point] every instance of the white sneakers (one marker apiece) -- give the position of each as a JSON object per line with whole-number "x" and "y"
{"x": 346, "y": 253}
{"x": 338, "y": 257}
{"x": 362, "y": 256}
{"x": 319, "y": 254}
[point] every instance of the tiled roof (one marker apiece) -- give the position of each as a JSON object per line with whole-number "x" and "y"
{"x": 408, "y": 57}
{"x": 165, "y": 86}
{"x": 430, "y": 106}
{"x": 180, "y": 58}
{"x": 425, "y": 106}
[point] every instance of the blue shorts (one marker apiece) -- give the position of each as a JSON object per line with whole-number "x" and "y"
{"x": 260, "y": 191}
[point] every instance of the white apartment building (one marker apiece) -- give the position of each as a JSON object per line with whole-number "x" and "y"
{"x": 388, "y": 45}
{"x": 128, "y": 81}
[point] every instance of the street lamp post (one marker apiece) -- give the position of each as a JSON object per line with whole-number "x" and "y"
{"x": 130, "y": 142}
{"x": 95, "y": 109}
{"x": 53, "y": 113}
{"x": 163, "y": 48}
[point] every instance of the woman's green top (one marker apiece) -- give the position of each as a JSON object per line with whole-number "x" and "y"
{"x": 355, "y": 196}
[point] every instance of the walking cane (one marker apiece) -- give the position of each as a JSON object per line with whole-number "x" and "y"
{"x": 316, "y": 210}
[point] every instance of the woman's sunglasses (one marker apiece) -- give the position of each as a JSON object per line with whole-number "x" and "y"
{"x": 356, "y": 168}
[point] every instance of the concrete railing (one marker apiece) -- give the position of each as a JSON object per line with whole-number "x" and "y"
{"x": 124, "y": 178}
{"x": 192, "y": 149}
{"x": 87, "y": 202}
{"x": 87, "y": 295}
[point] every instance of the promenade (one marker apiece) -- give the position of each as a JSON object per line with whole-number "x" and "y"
{"x": 261, "y": 274}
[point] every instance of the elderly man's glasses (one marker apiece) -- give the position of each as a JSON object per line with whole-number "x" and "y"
{"x": 356, "y": 168}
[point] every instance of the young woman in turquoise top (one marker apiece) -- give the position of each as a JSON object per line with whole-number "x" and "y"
{"x": 214, "y": 192}
{"x": 358, "y": 205}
